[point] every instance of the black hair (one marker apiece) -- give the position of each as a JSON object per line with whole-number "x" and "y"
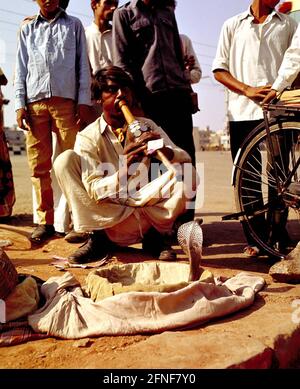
{"x": 171, "y": 3}
{"x": 165, "y": 3}
{"x": 113, "y": 73}
{"x": 63, "y": 3}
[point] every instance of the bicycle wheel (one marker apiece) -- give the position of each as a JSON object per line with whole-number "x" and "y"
{"x": 266, "y": 194}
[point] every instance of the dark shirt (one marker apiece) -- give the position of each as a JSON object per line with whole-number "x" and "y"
{"x": 146, "y": 44}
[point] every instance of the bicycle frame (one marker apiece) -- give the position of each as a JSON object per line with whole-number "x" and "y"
{"x": 273, "y": 114}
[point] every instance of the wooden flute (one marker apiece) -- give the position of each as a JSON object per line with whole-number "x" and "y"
{"x": 130, "y": 119}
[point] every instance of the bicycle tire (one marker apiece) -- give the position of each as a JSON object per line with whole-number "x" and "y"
{"x": 257, "y": 196}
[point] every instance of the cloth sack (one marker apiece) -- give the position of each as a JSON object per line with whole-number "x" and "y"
{"x": 23, "y": 300}
{"x": 68, "y": 314}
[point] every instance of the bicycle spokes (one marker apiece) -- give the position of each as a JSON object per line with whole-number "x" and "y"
{"x": 267, "y": 187}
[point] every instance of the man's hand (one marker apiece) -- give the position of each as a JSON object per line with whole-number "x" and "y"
{"x": 189, "y": 62}
{"x": 136, "y": 149}
{"x": 168, "y": 153}
{"x": 270, "y": 96}
{"x": 23, "y": 119}
{"x": 257, "y": 93}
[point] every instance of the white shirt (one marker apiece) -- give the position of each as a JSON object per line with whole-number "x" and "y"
{"x": 98, "y": 47}
{"x": 290, "y": 66}
{"x": 187, "y": 49}
{"x": 252, "y": 53}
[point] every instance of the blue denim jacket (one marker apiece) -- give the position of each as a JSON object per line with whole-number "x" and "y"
{"x": 52, "y": 61}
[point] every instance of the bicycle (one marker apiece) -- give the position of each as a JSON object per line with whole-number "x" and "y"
{"x": 266, "y": 178}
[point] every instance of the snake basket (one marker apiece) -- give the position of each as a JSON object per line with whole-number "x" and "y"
{"x": 8, "y": 276}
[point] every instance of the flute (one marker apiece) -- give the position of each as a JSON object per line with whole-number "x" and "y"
{"x": 131, "y": 121}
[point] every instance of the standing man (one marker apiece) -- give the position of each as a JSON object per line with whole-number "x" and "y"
{"x": 146, "y": 44}
{"x": 52, "y": 94}
{"x": 250, "y": 51}
{"x": 99, "y": 34}
{"x": 61, "y": 211}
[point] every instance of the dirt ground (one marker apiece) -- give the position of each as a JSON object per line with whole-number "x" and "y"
{"x": 223, "y": 246}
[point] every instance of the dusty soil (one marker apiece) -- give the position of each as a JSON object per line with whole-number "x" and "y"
{"x": 224, "y": 242}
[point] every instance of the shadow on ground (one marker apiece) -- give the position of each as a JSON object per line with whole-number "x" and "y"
{"x": 22, "y": 219}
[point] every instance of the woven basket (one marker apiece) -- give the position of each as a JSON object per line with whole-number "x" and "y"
{"x": 8, "y": 276}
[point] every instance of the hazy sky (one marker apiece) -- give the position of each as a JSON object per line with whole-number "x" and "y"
{"x": 200, "y": 20}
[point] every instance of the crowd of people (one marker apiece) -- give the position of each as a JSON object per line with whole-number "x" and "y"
{"x": 94, "y": 175}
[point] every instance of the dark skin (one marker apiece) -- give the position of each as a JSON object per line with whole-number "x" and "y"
{"x": 189, "y": 62}
{"x": 135, "y": 150}
{"x": 270, "y": 96}
{"x": 3, "y": 80}
{"x": 159, "y": 3}
{"x": 103, "y": 13}
{"x": 63, "y": 4}
{"x": 49, "y": 9}
{"x": 260, "y": 10}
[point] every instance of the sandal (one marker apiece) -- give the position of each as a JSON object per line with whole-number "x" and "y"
{"x": 251, "y": 251}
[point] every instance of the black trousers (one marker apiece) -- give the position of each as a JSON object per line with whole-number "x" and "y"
{"x": 171, "y": 110}
{"x": 238, "y": 133}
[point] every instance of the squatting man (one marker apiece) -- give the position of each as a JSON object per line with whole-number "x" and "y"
{"x": 106, "y": 177}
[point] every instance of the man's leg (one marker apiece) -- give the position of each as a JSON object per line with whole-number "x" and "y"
{"x": 61, "y": 210}
{"x": 278, "y": 214}
{"x": 238, "y": 133}
{"x": 64, "y": 129}
{"x": 86, "y": 213}
{"x": 39, "y": 152}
